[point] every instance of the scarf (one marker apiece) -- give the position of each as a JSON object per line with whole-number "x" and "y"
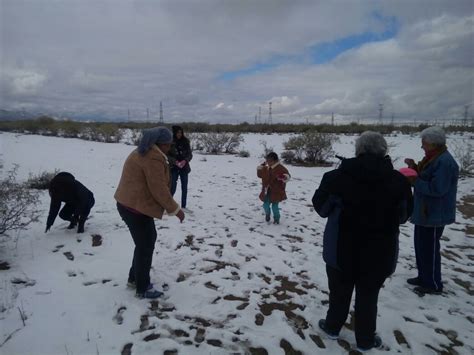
{"x": 429, "y": 157}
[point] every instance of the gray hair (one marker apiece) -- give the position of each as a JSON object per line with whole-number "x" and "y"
{"x": 371, "y": 143}
{"x": 434, "y": 135}
{"x": 155, "y": 135}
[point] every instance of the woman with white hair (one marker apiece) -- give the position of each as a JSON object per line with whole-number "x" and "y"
{"x": 435, "y": 207}
{"x": 143, "y": 194}
{"x": 365, "y": 201}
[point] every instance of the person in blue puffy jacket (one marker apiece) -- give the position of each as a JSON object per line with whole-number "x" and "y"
{"x": 434, "y": 207}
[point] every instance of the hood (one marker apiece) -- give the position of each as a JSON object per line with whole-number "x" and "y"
{"x": 61, "y": 182}
{"x": 368, "y": 167}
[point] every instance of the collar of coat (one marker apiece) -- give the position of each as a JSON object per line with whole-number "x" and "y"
{"x": 275, "y": 165}
{"x": 155, "y": 147}
{"x": 427, "y": 160}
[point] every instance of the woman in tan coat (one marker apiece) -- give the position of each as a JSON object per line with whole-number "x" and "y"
{"x": 142, "y": 195}
{"x": 274, "y": 178}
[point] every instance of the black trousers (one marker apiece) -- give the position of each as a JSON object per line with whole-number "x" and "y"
{"x": 143, "y": 231}
{"x": 71, "y": 213}
{"x": 366, "y": 297}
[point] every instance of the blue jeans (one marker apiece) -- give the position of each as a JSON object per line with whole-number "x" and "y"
{"x": 428, "y": 258}
{"x": 175, "y": 173}
{"x": 274, "y": 207}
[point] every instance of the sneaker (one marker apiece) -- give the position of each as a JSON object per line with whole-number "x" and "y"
{"x": 276, "y": 221}
{"x": 331, "y": 335}
{"x": 80, "y": 228}
{"x": 425, "y": 290}
{"x": 187, "y": 210}
{"x": 415, "y": 281}
{"x": 131, "y": 284}
{"x": 267, "y": 218}
{"x": 72, "y": 225}
{"x": 151, "y": 293}
{"x": 376, "y": 345}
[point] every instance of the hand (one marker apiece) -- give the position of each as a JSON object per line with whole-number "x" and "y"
{"x": 48, "y": 227}
{"x": 410, "y": 162}
{"x": 80, "y": 228}
{"x": 182, "y": 163}
{"x": 180, "y": 216}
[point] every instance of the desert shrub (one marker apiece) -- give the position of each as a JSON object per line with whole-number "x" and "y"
{"x": 266, "y": 149}
{"x": 243, "y": 154}
{"x": 464, "y": 153}
{"x": 41, "y": 180}
{"x": 215, "y": 143}
{"x": 108, "y": 133}
{"x": 309, "y": 148}
{"x": 17, "y": 204}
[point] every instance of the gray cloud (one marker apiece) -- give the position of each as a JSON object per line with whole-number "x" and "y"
{"x": 108, "y": 57}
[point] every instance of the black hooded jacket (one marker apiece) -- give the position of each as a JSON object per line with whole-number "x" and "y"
{"x": 181, "y": 150}
{"x": 365, "y": 201}
{"x": 65, "y": 188}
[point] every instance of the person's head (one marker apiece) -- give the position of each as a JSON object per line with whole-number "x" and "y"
{"x": 161, "y": 136}
{"x": 432, "y": 138}
{"x": 271, "y": 158}
{"x": 177, "y": 132}
{"x": 61, "y": 183}
{"x": 372, "y": 143}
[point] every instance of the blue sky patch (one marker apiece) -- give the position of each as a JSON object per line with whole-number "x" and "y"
{"x": 321, "y": 53}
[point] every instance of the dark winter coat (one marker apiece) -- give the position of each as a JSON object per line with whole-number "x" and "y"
{"x": 180, "y": 150}
{"x": 65, "y": 188}
{"x": 365, "y": 201}
{"x": 273, "y": 182}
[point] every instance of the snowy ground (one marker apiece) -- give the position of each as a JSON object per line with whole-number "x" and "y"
{"x": 235, "y": 284}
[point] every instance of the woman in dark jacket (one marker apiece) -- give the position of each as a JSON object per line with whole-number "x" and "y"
{"x": 79, "y": 201}
{"x": 365, "y": 200}
{"x": 179, "y": 156}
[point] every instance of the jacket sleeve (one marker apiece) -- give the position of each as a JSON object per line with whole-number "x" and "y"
{"x": 439, "y": 184}
{"x": 155, "y": 175}
{"x": 406, "y": 205}
{"x": 53, "y": 211}
{"x": 323, "y": 200}
{"x": 189, "y": 152}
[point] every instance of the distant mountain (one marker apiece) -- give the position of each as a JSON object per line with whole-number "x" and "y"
{"x": 6, "y": 115}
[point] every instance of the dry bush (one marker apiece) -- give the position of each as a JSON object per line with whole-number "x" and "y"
{"x": 41, "y": 180}
{"x": 216, "y": 143}
{"x": 17, "y": 204}
{"x": 309, "y": 148}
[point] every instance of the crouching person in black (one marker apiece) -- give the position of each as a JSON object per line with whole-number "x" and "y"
{"x": 79, "y": 201}
{"x": 365, "y": 201}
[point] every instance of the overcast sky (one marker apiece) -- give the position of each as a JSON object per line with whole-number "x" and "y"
{"x": 214, "y": 61}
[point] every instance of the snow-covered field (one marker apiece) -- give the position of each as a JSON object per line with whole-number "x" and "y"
{"x": 234, "y": 283}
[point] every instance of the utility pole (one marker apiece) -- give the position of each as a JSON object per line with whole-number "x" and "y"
{"x": 161, "y": 113}
{"x": 129, "y": 114}
{"x": 147, "y": 113}
{"x": 255, "y": 119}
{"x": 259, "y": 114}
{"x": 270, "y": 120}
{"x": 393, "y": 119}
{"x": 466, "y": 109}
{"x": 381, "y": 113}
{"x": 332, "y": 119}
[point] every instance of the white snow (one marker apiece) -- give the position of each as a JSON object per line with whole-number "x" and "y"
{"x": 223, "y": 249}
